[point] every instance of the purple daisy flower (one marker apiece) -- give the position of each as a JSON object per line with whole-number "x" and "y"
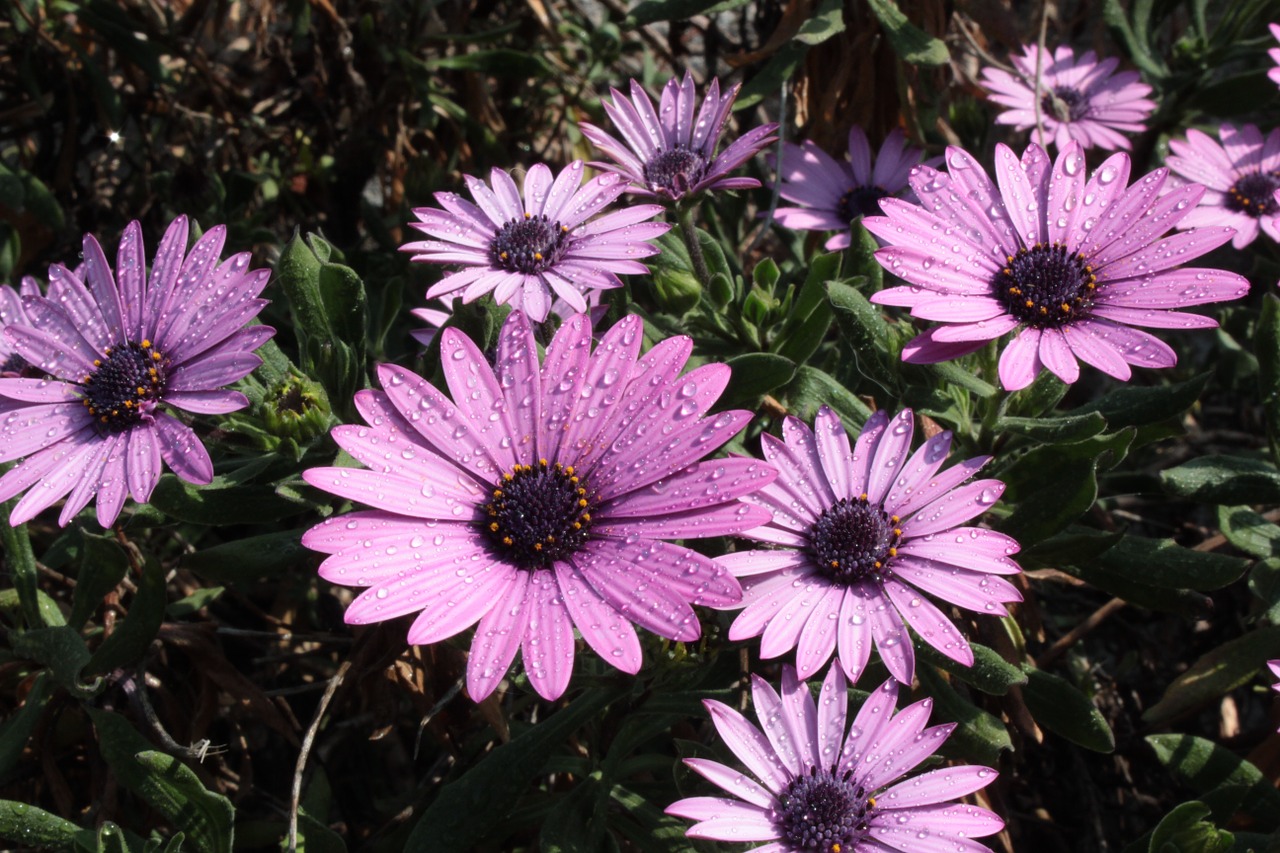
{"x": 12, "y": 364}
{"x": 527, "y": 250}
{"x": 863, "y": 531}
{"x": 819, "y": 791}
{"x": 833, "y": 193}
{"x": 1071, "y": 264}
{"x": 119, "y": 349}
{"x": 669, "y": 152}
{"x": 1240, "y": 176}
{"x": 1082, "y": 99}
{"x": 1274, "y": 53}
{"x": 537, "y": 500}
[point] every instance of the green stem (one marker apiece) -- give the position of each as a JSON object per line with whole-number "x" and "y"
{"x": 689, "y": 231}
{"x": 993, "y": 406}
{"x": 22, "y": 563}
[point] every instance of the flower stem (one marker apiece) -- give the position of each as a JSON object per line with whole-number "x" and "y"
{"x": 22, "y": 564}
{"x": 689, "y": 231}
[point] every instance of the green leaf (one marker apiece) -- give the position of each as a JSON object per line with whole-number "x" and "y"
{"x": 1065, "y": 429}
{"x": 16, "y": 730}
{"x": 1115, "y": 17}
{"x": 568, "y": 828}
{"x": 1266, "y": 341}
{"x": 219, "y": 506}
{"x": 131, "y": 639}
{"x": 1185, "y": 830}
{"x": 253, "y": 557}
{"x": 776, "y": 73}
{"x": 1136, "y": 406}
{"x": 62, "y": 650}
{"x": 677, "y": 10}
{"x": 500, "y": 62}
{"x": 1224, "y": 480}
{"x": 1207, "y": 768}
{"x": 812, "y": 388}
{"x": 1264, "y": 582}
{"x": 1073, "y": 546}
{"x": 863, "y": 247}
{"x": 1216, "y": 673}
{"x": 194, "y": 602}
{"x": 990, "y": 673}
{"x": 33, "y": 827}
{"x": 865, "y": 331}
{"x": 826, "y": 22}
{"x": 1249, "y": 531}
{"x": 494, "y": 784}
{"x": 756, "y": 373}
{"x": 980, "y": 736}
{"x": 948, "y": 372}
{"x": 165, "y": 784}
{"x": 1165, "y": 563}
{"x": 102, "y": 565}
{"x": 1184, "y": 602}
{"x": 644, "y": 824}
{"x": 911, "y": 43}
{"x": 1062, "y": 709}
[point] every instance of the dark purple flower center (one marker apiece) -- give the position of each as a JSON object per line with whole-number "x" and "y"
{"x": 823, "y": 811}
{"x": 853, "y": 539}
{"x": 1046, "y": 286}
{"x": 674, "y": 172}
{"x": 1065, "y": 103}
{"x": 128, "y": 382}
{"x": 539, "y": 514}
{"x": 860, "y": 201}
{"x": 529, "y": 244}
{"x": 1254, "y": 194}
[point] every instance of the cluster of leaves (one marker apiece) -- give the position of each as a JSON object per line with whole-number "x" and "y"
{"x": 185, "y": 681}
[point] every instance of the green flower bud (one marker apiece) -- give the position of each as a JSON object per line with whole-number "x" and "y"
{"x": 678, "y": 290}
{"x": 296, "y": 408}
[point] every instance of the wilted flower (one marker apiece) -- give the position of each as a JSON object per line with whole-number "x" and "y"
{"x": 1070, "y": 264}
{"x": 819, "y": 790}
{"x": 529, "y": 250}
{"x": 1241, "y": 177}
{"x": 1082, "y": 99}
{"x": 864, "y": 532}
{"x": 669, "y": 152}
{"x": 536, "y": 500}
{"x": 119, "y": 349}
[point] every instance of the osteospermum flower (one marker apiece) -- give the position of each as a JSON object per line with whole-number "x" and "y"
{"x": 1241, "y": 177}
{"x": 669, "y": 152}
{"x": 12, "y": 364}
{"x": 819, "y": 790}
{"x": 864, "y": 532}
{"x": 1069, "y": 263}
{"x": 1081, "y": 99}
{"x": 537, "y": 500}
{"x": 833, "y": 193}
{"x": 529, "y": 250}
{"x": 121, "y": 349}
{"x": 1274, "y": 53}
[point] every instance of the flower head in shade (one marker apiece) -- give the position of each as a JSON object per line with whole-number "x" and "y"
{"x": 1071, "y": 263}
{"x": 1274, "y": 53}
{"x": 529, "y": 250}
{"x": 832, "y": 193}
{"x": 817, "y": 790}
{"x": 865, "y": 532}
{"x": 12, "y": 364}
{"x": 670, "y": 152}
{"x": 120, "y": 350}
{"x": 1240, "y": 177}
{"x": 537, "y": 500}
{"x": 1081, "y": 99}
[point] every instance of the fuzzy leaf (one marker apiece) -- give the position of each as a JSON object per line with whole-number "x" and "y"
{"x": 1207, "y": 768}
{"x": 911, "y": 43}
{"x": 1224, "y": 480}
{"x": 1216, "y": 673}
{"x": 1058, "y": 706}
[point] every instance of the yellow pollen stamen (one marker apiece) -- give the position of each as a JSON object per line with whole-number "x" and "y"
{"x": 506, "y": 540}
{"x": 146, "y": 344}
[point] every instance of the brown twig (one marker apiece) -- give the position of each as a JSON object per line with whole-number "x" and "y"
{"x": 295, "y": 796}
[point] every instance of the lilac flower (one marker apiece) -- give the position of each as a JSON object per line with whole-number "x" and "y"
{"x": 1083, "y": 99}
{"x": 863, "y": 531}
{"x": 1240, "y": 176}
{"x": 834, "y": 193}
{"x": 668, "y": 152}
{"x": 1274, "y": 53}
{"x": 819, "y": 790}
{"x": 528, "y": 251}
{"x": 1071, "y": 264}
{"x": 121, "y": 348}
{"x": 12, "y": 313}
{"x": 537, "y": 500}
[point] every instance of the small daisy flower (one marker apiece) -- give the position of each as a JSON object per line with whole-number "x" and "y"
{"x": 528, "y": 250}
{"x": 1070, "y": 263}
{"x": 668, "y": 152}
{"x": 1274, "y": 53}
{"x": 538, "y": 500}
{"x": 12, "y": 364}
{"x": 863, "y": 533}
{"x": 1081, "y": 99}
{"x": 1240, "y": 176}
{"x": 832, "y": 193}
{"x": 121, "y": 349}
{"x": 816, "y": 790}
